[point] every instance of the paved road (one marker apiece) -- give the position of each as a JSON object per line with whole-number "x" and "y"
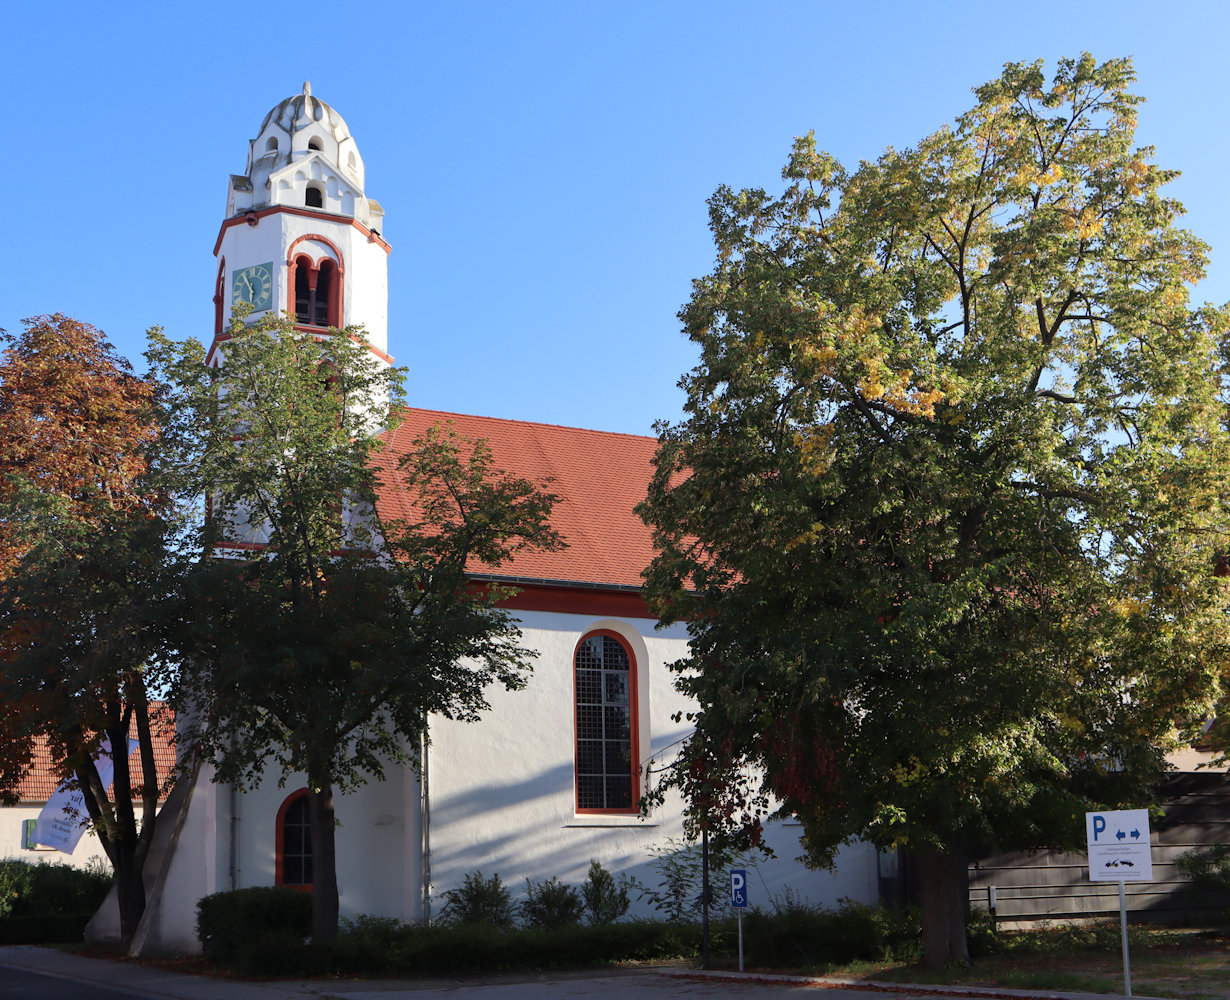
{"x": 20, "y": 984}
{"x": 30, "y": 973}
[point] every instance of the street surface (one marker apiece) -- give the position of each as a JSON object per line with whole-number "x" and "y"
{"x": 31, "y": 973}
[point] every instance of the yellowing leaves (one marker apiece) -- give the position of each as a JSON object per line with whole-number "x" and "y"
{"x": 1030, "y": 175}
{"x": 1134, "y": 177}
{"x": 1086, "y": 224}
{"x": 815, "y": 448}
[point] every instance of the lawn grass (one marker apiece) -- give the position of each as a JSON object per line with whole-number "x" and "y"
{"x": 1165, "y": 962}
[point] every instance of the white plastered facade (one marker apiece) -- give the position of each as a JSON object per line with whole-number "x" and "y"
{"x": 500, "y": 799}
{"x": 499, "y": 795}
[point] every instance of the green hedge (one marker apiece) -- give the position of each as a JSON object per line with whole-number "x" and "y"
{"x": 238, "y": 925}
{"x": 46, "y": 928}
{"x": 264, "y": 932}
{"x": 48, "y": 903}
{"x": 374, "y": 946}
{"x": 801, "y": 935}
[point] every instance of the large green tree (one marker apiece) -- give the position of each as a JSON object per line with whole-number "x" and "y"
{"x": 322, "y": 635}
{"x": 944, "y": 512}
{"x": 87, "y": 578}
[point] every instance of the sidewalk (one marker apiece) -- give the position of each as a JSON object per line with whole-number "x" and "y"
{"x": 664, "y": 982}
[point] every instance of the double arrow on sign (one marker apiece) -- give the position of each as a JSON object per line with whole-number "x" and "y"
{"x": 1119, "y": 834}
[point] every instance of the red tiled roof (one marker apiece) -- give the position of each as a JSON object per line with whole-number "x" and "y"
{"x": 599, "y": 477}
{"x": 42, "y": 779}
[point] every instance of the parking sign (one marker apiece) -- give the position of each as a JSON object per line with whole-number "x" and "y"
{"x": 738, "y": 888}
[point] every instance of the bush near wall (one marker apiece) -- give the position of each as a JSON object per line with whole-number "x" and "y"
{"x": 237, "y": 926}
{"x": 379, "y": 946}
{"x": 48, "y": 903}
{"x": 799, "y": 935}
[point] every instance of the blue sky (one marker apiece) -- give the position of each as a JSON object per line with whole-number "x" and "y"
{"x": 544, "y": 166}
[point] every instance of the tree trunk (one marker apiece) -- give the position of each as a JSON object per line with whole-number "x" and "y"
{"x": 324, "y": 861}
{"x": 130, "y": 894}
{"x": 943, "y": 877}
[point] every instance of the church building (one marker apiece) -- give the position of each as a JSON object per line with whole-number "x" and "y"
{"x": 551, "y": 776}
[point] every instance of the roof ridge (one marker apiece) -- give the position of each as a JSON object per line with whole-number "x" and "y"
{"x": 531, "y": 423}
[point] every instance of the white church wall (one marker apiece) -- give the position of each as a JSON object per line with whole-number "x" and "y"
{"x": 503, "y": 795}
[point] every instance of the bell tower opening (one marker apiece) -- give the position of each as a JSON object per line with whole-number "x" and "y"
{"x": 316, "y": 288}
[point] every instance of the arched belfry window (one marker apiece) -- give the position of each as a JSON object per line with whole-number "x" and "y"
{"x": 325, "y": 275}
{"x": 315, "y": 143}
{"x": 316, "y": 292}
{"x": 272, "y": 145}
{"x": 294, "y": 842}
{"x": 314, "y": 198}
{"x": 606, "y": 761}
{"x": 316, "y": 281}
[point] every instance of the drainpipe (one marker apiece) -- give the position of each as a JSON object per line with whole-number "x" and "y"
{"x": 232, "y": 868}
{"x": 425, "y": 811}
{"x": 233, "y": 865}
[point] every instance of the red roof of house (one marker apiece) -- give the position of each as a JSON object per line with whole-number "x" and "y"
{"x": 599, "y": 477}
{"x": 42, "y": 779}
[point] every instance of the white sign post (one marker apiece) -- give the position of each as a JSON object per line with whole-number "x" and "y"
{"x": 738, "y": 899}
{"x": 1119, "y": 852}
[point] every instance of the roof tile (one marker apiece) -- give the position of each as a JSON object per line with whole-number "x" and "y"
{"x": 599, "y": 476}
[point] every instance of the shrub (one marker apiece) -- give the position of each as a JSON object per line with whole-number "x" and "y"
{"x": 797, "y": 933}
{"x": 551, "y": 904}
{"x": 605, "y": 901}
{"x": 233, "y": 925}
{"x": 478, "y": 900}
{"x": 54, "y": 889}
{"x": 1207, "y": 867}
{"x": 679, "y": 893}
{"x": 14, "y": 885}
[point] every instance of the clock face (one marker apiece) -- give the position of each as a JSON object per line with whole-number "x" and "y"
{"x": 253, "y": 285}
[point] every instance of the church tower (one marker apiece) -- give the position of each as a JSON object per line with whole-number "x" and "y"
{"x": 300, "y": 236}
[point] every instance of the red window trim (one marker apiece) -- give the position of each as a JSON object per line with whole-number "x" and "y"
{"x": 336, "y": 305}
{"x": 279, "y": 838}
{"x": 634, "y": 775}
{"x": 219, "y": 296}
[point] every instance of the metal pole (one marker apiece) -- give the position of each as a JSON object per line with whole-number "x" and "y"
{"x": 740, "y": 912}
{"x": 1127, "y": 968}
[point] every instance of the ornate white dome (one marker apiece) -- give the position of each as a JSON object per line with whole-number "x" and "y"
{"x": 303, "y": 110}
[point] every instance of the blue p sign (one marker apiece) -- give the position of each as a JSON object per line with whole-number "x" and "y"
{"x": 1099, "y": 824}
{"x": 738, "y": 888}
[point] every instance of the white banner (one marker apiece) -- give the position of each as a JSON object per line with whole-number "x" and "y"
{"x": 63, "y": 819}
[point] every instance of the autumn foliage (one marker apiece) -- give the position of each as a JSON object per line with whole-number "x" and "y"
{"x": 73, "y": 423}
{"x": 84, "y": 575}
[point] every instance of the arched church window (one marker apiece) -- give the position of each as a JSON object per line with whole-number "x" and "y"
{"x": 317, "y": 287}
{"x": 314, "y": 143}
{"x": 351, "y": 161}
{"x": 294, "y": 842}
{"x": 304, "y": 292}
{"x": 323, "y": 298}
{"x": 272, "y": 145}
{"x": 605, "y": 691}
{"x": 315, "y": 197}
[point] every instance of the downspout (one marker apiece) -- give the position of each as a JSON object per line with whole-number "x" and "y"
{"x": 425, "y": 811}
{"x": 233, "y": 866}
{"x": 233, "y": 848}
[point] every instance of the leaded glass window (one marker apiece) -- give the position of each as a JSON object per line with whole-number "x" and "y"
{"x": 605, "y": 763}
{"x": 297, "y": 843}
